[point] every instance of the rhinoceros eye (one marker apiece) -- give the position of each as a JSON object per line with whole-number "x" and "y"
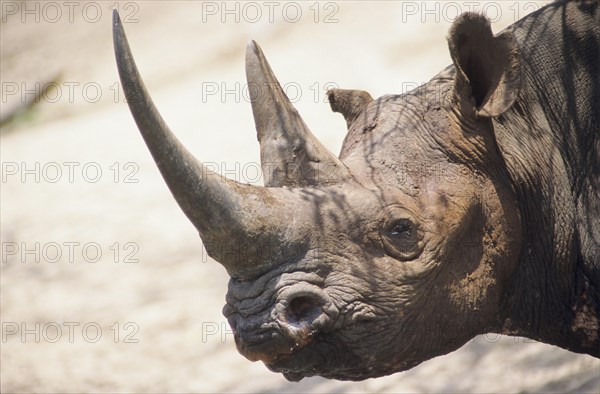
{"x": 401, "y": 239}
{"x": 402, "y": 229}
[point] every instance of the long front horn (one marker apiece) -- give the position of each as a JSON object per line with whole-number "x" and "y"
{"x": 237, "y": 222}
{"x": 290, "y": 154}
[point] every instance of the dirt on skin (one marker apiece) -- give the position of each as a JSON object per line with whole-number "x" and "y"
{"x": 105, "y": 286}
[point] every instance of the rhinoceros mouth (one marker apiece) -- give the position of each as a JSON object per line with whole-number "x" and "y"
{"x": 332, "y": 362}
{"x": 273, "y": 345}
{"x": 320, "y": 358}
{"x": 301, "y": 363}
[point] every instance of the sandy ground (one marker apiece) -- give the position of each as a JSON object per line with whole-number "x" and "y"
{"x": 105, "y": 286}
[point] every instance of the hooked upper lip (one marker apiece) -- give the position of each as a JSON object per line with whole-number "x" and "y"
{"x": 292, "y": 322}
{"x": 268, "y": 333}
{"x": 268, "y": 350}
{"x": 270, "y": 345}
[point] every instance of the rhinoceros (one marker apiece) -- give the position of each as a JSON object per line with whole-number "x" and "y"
{"x": 466, "y": 206}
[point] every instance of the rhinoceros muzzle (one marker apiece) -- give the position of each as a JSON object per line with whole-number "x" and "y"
{"x": 299, "y": 316}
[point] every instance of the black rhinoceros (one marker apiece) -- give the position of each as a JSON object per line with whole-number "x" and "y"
{"x": 354, "y": 266}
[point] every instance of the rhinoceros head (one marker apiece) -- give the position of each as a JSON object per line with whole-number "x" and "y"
{"x": 370, "y": 263}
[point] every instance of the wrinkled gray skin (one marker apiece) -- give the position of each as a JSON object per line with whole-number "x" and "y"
{"x": 469, "y": 205}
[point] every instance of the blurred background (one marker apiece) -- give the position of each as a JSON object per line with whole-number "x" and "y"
{"x": 105, "y": 286}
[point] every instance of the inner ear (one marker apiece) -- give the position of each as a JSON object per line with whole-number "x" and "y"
{"x": 487, "y": 67}
{"x": 482, "y": 80}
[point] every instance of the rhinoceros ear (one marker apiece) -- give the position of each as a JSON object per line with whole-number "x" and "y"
{"x": 487, "y": 68}
{"x": 350, "y": 103}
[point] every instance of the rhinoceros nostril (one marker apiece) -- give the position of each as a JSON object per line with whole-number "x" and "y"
{"x": 303, "y": 308}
